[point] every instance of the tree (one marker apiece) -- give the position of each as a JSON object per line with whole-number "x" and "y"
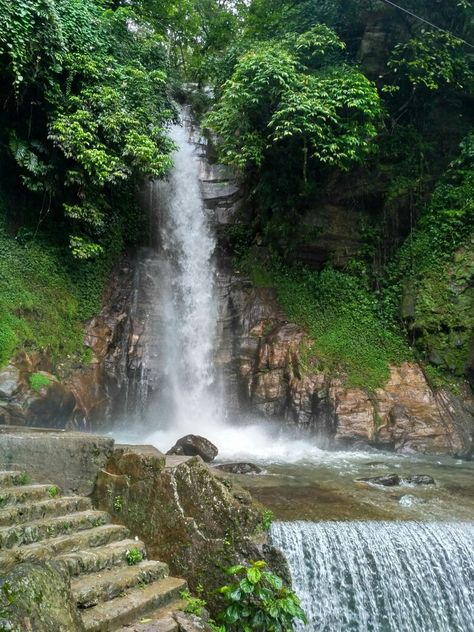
{"x": 296, "y": 90}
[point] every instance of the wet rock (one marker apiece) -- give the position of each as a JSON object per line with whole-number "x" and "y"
{"x": 9, "y": 381}
{"x": 420, "y": 479}
{"x": 239, "y": 468}
{"x": 194, "y": 445}
{"x": 388, "y": 480}
{"x": 191, "y": 623}
{"x": 38, "y": 597}
{"x": 184, "y": 513}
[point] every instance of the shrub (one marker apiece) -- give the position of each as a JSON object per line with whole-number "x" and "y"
{"x": 259, "y": 602}
{"x": 133, "y": 556}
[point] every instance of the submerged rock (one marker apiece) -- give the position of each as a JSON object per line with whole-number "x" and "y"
{"x": 194, "y": 445}
{"x": 388, "y": 480}
{"x": 239, "y": 468}
{"x": 394, "y": 480}
{"x": 420, "y": 479}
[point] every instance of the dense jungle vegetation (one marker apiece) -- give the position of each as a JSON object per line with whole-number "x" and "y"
{"x": 352, "y": 103}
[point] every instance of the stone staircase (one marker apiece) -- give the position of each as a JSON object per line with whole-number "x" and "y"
{"x": 113, "y": 583}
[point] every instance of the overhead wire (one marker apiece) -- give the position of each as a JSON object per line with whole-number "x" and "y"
{"x": 418, "y": 17}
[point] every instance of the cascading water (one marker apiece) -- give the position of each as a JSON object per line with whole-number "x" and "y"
{"x": 188, "y": 400}
{"x": 382, "y": 576}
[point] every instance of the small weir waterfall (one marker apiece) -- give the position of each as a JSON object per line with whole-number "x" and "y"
{"x": 382, "y": 576}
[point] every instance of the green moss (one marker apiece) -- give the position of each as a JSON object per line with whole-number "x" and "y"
{"x": 45, "y": 297}
{"x": 350, "y": 334}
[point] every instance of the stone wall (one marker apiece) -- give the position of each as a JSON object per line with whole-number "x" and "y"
{"x": 70, "y": 460}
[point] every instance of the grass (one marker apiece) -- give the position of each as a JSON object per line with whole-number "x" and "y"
{"x": 45, "y": 298}
{"x": 350, "y": 334}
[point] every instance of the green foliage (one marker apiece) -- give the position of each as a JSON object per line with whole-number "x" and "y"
{"x": 267, "y": 519}
{"x": 353, "y": 335}
{"x": 194, "y": 605}
{"x": 118, "y": 504}
{"x": 24, "y": 479}
{"x": 53, "y": 491}
{"x": 293, "y": 91}
{"x": 38, "y": 381}
{"x": 259, "y": 602}
{"x": 45, "y": 297}
{"x": 86, "y": 108}
{"x": 432, "y": 59}
{"x": 434, "y": 270}
{"x": 134, "y": 556}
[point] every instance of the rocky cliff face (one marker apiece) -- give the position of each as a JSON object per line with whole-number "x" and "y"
{"x": 267, "y": 375}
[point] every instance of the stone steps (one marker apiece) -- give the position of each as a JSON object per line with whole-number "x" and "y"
{"x": 37, "y": 524}
{"x": 136, "y": 603}
{"x": 89, "y": 590}
{"x": 9, "y": 478}
{"x": 67, "y": 548}
{"x": 38, "y": 530}
{"x": 20, "y": 495}
{"x": 101, "y": 557}
{"x": 160, "y": 620}
{"x": 18, "y": 514}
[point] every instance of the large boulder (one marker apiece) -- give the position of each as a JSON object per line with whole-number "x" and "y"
{"x": 194, "y": 445}
{"x": 38, "y": 598}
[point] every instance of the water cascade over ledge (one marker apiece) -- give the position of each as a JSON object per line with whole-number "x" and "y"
{"x": 382, "y": 576}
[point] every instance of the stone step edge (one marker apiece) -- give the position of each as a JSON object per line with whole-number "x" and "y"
{"x": 162, "y": 618}
{"x": 51, "y": 523}
{"x": 93, "y": 588}
{"x": 57, "y": 547}
{"x": 46, "y": 503}
{"x": 112, "y": 555}
{"x": 135, "y": 604}
{"x": 37, "y": 492}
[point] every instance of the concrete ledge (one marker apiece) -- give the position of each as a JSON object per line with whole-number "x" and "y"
{"x": 70, "y": 460}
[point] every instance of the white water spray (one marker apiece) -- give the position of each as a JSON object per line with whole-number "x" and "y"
{"x": 190, "y": 401}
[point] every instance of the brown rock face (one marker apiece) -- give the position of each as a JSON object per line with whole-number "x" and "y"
{"x": 405, "y": 415}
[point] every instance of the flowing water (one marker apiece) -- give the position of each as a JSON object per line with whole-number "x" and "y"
{"x": 189, "y": 398}
{"x": 382, "y": 576}
{"x": 411, "y": 569}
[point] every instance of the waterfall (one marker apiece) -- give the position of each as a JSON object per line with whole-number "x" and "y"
{"x": 188, "y": 400}
{"x": 382, "y": 576}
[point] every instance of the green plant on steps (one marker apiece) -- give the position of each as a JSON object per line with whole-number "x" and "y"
{"x": 133, "y": 556}
{"x": 258, "y": 601}
{"x": 194, "y": 605}
{"x": 53, "y": 491}
{"x": 24, "y": 479}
